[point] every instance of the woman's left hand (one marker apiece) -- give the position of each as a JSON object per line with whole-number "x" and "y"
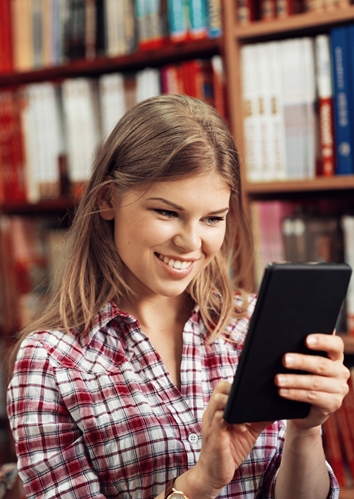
{"x": 326, "y": 384}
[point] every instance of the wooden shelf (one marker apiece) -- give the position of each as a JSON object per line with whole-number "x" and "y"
{"x": 56, "y": 206}
{"x": 171, "y": 52}
{"x": 299, "y": 23}
{"x": 335, "y": 183}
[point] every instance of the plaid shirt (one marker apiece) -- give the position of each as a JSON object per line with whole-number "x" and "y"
{"x": 97, "y": 416}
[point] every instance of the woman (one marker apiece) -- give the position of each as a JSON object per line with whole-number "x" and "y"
{"x": 119, "y": 389}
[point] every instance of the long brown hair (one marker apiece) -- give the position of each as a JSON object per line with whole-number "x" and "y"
{"x": 163, "y": 138}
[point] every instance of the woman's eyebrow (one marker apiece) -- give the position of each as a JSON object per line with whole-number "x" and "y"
{"x": 180, "y": 208}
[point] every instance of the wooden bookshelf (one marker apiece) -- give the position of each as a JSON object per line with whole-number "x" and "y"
{"x": 171, "y": 52}
{"x": 324, "y": 190}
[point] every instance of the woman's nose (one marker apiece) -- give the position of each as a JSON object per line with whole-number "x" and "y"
{"x": 188, "y": 238}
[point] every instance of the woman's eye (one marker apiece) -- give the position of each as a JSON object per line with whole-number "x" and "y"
{"x": 214, "y": 220}
{"x": 166, "y": 213}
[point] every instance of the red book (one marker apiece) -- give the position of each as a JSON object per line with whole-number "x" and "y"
{"x": 245, "y": 11}
{"x": 344, "y": 424}
{"x": 267, "y": 9}
{"x": 333, "y": 450}
{"x": 327, "y": 159}
{"x": 5, "y": 37}
{"x": 285, "y": 8}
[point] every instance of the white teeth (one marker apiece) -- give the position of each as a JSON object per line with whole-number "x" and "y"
{"x": 176, "y": 264}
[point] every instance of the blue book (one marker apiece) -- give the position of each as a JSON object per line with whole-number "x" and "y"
{"x": 214, "y": 18}
{"x": 343, "y": 100}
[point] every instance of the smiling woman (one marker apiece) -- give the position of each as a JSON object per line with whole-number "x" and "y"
{"x": 119, "y": 388}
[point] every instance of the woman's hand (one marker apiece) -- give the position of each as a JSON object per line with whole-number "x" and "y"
{"x": 224, "y": 446}
{"x": 325, "y": 386}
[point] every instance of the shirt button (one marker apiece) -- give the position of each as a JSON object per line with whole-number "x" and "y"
{"x": 193, "y": 438}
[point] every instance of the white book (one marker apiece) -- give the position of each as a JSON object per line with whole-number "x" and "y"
{"x": 112, "y": 101}
{"x": 348, "y": 232}
{"x": 148, "y": 84}
{"x": 114, "y": 16}
{"x": 81, "y": 117}
{"x": 279, "y": 170}
{"x": 325, "y": 104}
{"x": 293, "y": 107}
{"x": 29, "y": 127}
{"x": 266, "y": 129}
{"x": 308, "y": 79}
{"x": 249, "y": 68}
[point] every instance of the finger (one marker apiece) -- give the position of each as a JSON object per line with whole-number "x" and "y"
{"x": 314, "y": 383}
{"x": 330, "y": 343}
{"x": 217, "y": 402}
{"x": 316, "y": 364}
{"x": 326, "y": 402}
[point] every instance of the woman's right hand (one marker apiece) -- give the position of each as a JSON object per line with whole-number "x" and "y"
{"x": 224, "y": 446}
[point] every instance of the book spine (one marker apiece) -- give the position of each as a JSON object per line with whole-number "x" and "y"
{"x": 327, "y": 164}
{"x": 249, "y": 65}
{"x": 333, "y": 450}
{"x": 342, "y": 98}
{"x": 197, "y": 19}
{"x": 347, "y": 222}
{"x": 309, "y": 102}
{"x": 245, "y": 11}
{"x": 6, "y": 60}
{"x": 293, "y": 102}
{"x": 267, "y": 10}
{"x": 177, "y": 20}
{"x": 214, "y": 18}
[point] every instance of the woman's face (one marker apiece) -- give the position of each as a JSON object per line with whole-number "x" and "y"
{"x": 167, "y": 234}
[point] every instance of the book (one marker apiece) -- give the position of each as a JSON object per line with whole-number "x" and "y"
{"x": 22, "y": 36}
{"x": 172, "y": 79}
{"x": 112, "y": 101}
{"x": 197, "y": 19}
{"x": 115, "y": 28}
{"x": 293, "y": 105}
{"x": 219, "y": 84}
{"x": 214, "y": 18}
{"x": 327, "y": 160}
{"x": 285, "y": 8}
{"x": 267, "y": 10}
{"x": 276, "y": 113}
{"x": 267, "y": 219}
{"x": 308, "y": 81}
{"x": 347, "y": 222}
{"x": 340, "y": 52}
{"x": 249, "y": 68}
{"x": 245, "y": 11}
{"x": 6, "y": 60}
{"x": 178, "y": 20}
{"x": 333, "y": 450}
{"x": 344, "y": 424}
{"x": 263, "y": 83}
{"x": 82, "y": 128}
{"x": 147, "y": 83}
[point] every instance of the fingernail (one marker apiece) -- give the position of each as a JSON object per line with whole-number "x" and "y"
{"x": 289, "y": 360}
{"x": 311, "y": 340}
{"x": 281, "y": 379}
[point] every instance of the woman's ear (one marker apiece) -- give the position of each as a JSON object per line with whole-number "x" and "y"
{"x": 105, "y": 203}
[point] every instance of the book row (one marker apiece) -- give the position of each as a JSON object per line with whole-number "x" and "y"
{"x": 30, "y": 251}
{"x": 41, "y": 33}
{"x": 50, "y": 132}
{"x": 298, "y": 107}
{"x": 284, "y": 232}
{"x": 338, "y": 439}
{"x": 248, "y": 11}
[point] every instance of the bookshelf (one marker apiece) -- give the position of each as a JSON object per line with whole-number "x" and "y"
{"x": 320, "y": 189}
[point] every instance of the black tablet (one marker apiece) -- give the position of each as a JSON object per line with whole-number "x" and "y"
{"x": 294, "y": 300}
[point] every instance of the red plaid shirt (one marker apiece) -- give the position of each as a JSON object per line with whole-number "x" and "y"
{"x": 97, "y": 416}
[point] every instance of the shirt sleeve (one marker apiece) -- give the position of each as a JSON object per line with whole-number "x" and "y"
{"x": 52, "y": 457}
{"x": 267, "y": 490}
